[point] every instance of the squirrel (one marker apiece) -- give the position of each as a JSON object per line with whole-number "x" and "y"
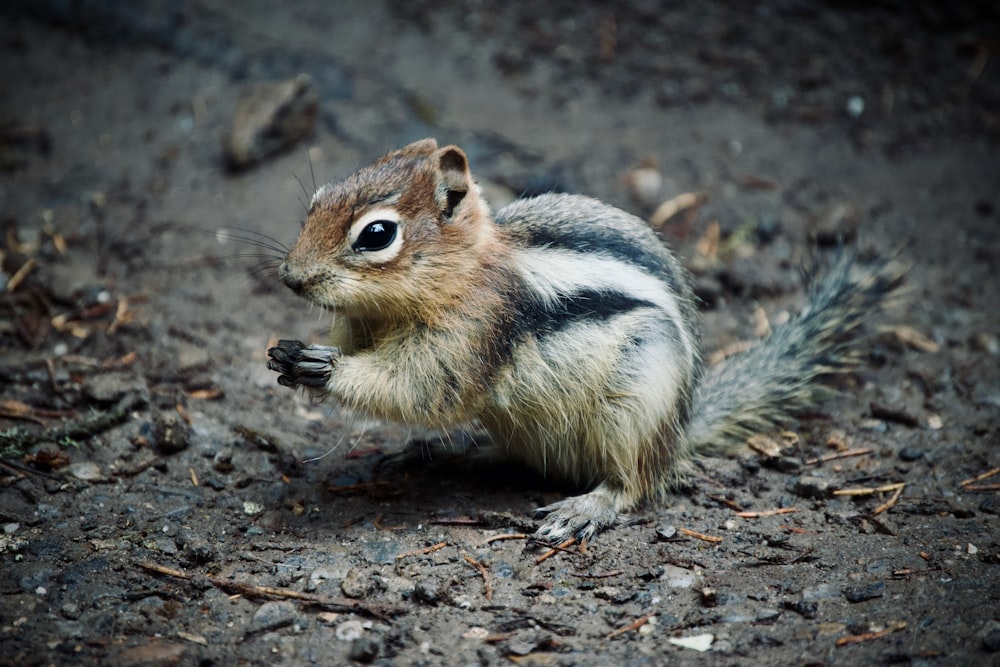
{"x": 563, "y": 326}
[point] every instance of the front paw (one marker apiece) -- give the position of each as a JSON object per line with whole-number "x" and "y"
{"x": 300, "y": 365}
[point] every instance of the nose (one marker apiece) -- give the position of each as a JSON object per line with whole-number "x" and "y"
{"x": 294, "y": 281}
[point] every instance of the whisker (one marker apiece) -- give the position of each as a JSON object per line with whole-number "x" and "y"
{"x": 251, "y": 237}
{"x": 329, "y": 451}
{"x": 305, "y": 207}
{"x": 312, "y": 172}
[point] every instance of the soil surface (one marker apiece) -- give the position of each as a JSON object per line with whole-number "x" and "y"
{"x": 158, "y": 495}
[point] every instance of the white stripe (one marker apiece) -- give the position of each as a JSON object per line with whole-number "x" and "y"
{"x": 553, "y": 273}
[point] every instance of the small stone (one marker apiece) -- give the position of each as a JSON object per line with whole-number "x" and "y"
{"x": 170, "y": 433}
{"x": 274, "y": 615}
{"x": 270, "y": 117}
{"x": 644, "y": 184}
{"x": 812, "y": 487}
{"x": 805, "y": 609}
{"x": 986, "y": 342}
{"x": 223, "y": 460}
{"x": 855, "y": 106}
{"x": 911, "y": 454}
{"x": 767, "y": 615}
{"x": 665, "y": 531}
{"x": 251, "y": 508}
{"x": 86, "y": 471}
{"x": 863, "y": 593}
{"x": 614, "y": 594}
{"x": 357, "y": 584}
{"x": 990, "y": 505}
{"x": 364, "y": 649}
{"x": 348, "y": 631}
{"x": 991, "y": 637}
{"x": 427, "y": 591}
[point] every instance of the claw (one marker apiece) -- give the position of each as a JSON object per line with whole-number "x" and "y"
{"x": 299, "y": 365}
{"x": 581, "y": 517}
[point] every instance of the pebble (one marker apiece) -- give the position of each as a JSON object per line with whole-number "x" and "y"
{"x": 911, "y": 454}
{"x": 348, "y": 631}
{"x": 274, "y": 615}
{"x": 170, "y": 433}
{"x": 364, "y": 649}
{"x": 767, "y": 615}
{"x": 357, "y": 584}
{"x": 986, "y": 342}
{"x": 644, "y": 184}
{"x": 863, "y": 593}
{"x": 812, "y": 487}
{"x": 426, "y": 591}
{"x": 665, "y": 531}
{"x": 87, "y": 471}
{"x": 222, "y": 461}
{"x": 270, "y": 117}
{"x": 991, "y": 637}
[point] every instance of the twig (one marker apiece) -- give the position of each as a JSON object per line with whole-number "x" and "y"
{"x": 700, "y": 536}
{"x": 423, "y": 552}
{"x": 252, "y": 590}
{"x": 869, "y": 491}
{"x": 839, "y": 455}
{"x": 908, "y": 572}
{"x": 602, "y": 575}
{"x": 889, "y": 503}
{"x": 979, "y": 478}
{"x": 554, "y": 550}
{"x": 20, "y": 274}
{"x": 488, "y": 592}
{"x": 634, "y": 625}
{"x": 84, "y": 428}
{"x": 505, "y": 536}
{"x": 731, "y": 504}
{"x": 982, "y": 487}
{"x": 757, "y": 515}
{"x": 867, "y": 636}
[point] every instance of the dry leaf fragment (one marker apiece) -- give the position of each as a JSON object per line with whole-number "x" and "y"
{"x": 764, "y": 446}
{"x": 907, "y": 335}
{"x": 699, "y": 643}
{"x": 708, "y": 244}
{"x": 683, "y": 209}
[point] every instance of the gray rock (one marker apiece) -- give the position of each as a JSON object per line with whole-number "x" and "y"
{"x": 274, "y": 615}
{"x": 270, "y": 117}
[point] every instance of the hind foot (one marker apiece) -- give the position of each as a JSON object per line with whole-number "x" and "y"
{"x": 581, "y": 517}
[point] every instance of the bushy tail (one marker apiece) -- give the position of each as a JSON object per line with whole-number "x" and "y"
{"x": 765, "y": 386}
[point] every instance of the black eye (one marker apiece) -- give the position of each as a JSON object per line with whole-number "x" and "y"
{"x": 378, "y": 235}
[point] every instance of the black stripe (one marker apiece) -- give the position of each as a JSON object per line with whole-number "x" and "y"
{"x": 541, "y": 223}
{"x": 594, "y": 240}
{"x": 544, "y": 318}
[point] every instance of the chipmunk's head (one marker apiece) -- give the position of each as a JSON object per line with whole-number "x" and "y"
{"x": 388, "y": 237}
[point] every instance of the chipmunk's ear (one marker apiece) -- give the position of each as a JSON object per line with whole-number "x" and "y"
{"x": 456, "y": 181}
{"x": 422, "y": 148}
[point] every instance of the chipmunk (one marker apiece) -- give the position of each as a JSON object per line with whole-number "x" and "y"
{"x": 562, "y": 325}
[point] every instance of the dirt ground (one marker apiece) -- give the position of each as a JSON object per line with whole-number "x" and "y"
{"x": 157, "y": 497}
